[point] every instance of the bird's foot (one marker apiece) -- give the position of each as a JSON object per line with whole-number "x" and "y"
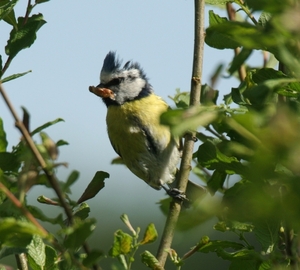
{"x": 176, "y": 194}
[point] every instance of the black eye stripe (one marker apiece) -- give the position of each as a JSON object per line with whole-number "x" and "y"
{"x": 114, "y": 81}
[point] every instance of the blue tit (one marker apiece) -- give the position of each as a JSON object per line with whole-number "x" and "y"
{"x": 133, "y": 122}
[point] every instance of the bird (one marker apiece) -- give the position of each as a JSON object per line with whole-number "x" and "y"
{"x": 146, "y": 147}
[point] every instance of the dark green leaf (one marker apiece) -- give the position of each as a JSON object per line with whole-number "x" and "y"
{"x": 213, "y": 246}
{"x": 82, "y": 212}
{"x": 266, "y": 232}
{"x": 41, "y": 1}
{"x": 74, "y": 175}
{"x": 214, "y": 37}
{"x": 24, "y": 35}
{"x": 46, "y": 125}
{"x": 92, "y": 257}
{"x": 3, "y": 141}
{"x": 61, "y": 143}
{"x": 78, "y": 233}
{"x": 7, "y": 11}
{"x": 6, "y": 251}
{"x": 239, "y": 264}
{"x": 239, "y": 60}
{"x": 94, "y": 186}
{"x": 218, "y": 2}
{"x": 272, "y": 6}
{"x": 51, "y": 258}
{"x": 38, "y": 214}
{"x": 216, "y": 181}
{"x": 14, "y": 76}
{"x": 150, "y": 235}
{"x": 9, "y": 162}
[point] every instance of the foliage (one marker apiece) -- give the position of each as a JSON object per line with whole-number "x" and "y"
{"x": 248, "y": 152}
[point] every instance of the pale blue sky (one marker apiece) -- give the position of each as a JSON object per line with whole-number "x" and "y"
{"x": 67, "y": 57}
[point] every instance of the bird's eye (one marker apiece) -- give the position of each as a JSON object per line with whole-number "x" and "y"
{"x": 113, "y": 82}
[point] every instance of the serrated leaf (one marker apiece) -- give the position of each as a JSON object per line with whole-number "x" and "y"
{"x": 46, "y": 125}
{"x": 24, "y": 35}
{"x": 78, "y": 233}
{"x": 36, "y": 253}
{"x": 92, "y": 257}
{"x": 150, "y": 260}
{"x": 16, "y": 233}
{"x": 94, "y": 186}
{"x": 150, "y": 234}
{"x": 122, "y": 244}
{"x": 3, "y": 141}
{"x": 14, "y": 76}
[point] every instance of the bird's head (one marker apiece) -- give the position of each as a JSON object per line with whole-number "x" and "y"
{"x": 121, "y": 84}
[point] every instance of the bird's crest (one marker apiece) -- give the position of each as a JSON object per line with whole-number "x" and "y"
{"x": 112, "y": 64}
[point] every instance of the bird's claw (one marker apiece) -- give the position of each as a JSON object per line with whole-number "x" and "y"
{"x": 176, "y": 194}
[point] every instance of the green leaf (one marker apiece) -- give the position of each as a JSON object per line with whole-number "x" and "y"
{"x": 9, "y": 162}
{"x": 243, "y": 264}
{"x": 239, "y": 60}
{"x": 216, "y": 181}
{"x": 266, "y": 232}
{"x": 16, "y": 233}
{"x": 51, "y": 258}
{"x": 150, "y": 235}
{"x": 78, "y": 233}
{"x": 36, "y": 253}
{"x": 209, "y": 96}
{"x": 3, "y": 141}
{"x": 94, "y": 186}
{"x": 6, "y": 251}
{"x": 150, "y": 260}
{"x": 14, "y": 76}
{"x": 92, "y": 257}
{"x": 82, "y": 212}
{"x": 122, "y": 244}
{"x": 181, "y": 99}
{"x": 212, "y": 158}
{"x": 24, "y": 35}
{"x": 46, "y": 125}
{"x": 74, "y": 175}
{"x": 224, "y": 34}
{"x": 61, "y": 143}
{"x": 215, "y": 38}
{"x": 213, "y": 246}
{"x": 272, "y": 6}
{"x": 7, "y": 12}
{"x": 38, "y": 214}
{"x": 180, "y": 121}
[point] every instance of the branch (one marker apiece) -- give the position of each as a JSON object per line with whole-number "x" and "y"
{"x": 50, "y": 176}
{"x": 189, "y": 141}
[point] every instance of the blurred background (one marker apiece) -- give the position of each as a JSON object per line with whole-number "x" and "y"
{"x": 66, "y": 59}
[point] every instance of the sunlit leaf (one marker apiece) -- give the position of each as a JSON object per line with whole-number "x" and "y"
{"x": 150, "y": 260}
{"x": 150, "y": 234}
{"x": 24, "y": 35}
{"x": 122, "y": 244}
{"x": 7, "y": 11}
{"x": 36, "y": 253}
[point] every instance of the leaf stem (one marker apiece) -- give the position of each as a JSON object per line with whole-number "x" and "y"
{"x": 189, "y": 141}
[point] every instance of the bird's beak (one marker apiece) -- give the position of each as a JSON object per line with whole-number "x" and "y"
{"x": 102, "y": 92}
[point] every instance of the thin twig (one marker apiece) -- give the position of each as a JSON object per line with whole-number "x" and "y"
{"x": 50, "y": 176}
{"x": 231, "y": 15}
{"x": 25, "y": 212}
{"x": 188, "y": 147}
